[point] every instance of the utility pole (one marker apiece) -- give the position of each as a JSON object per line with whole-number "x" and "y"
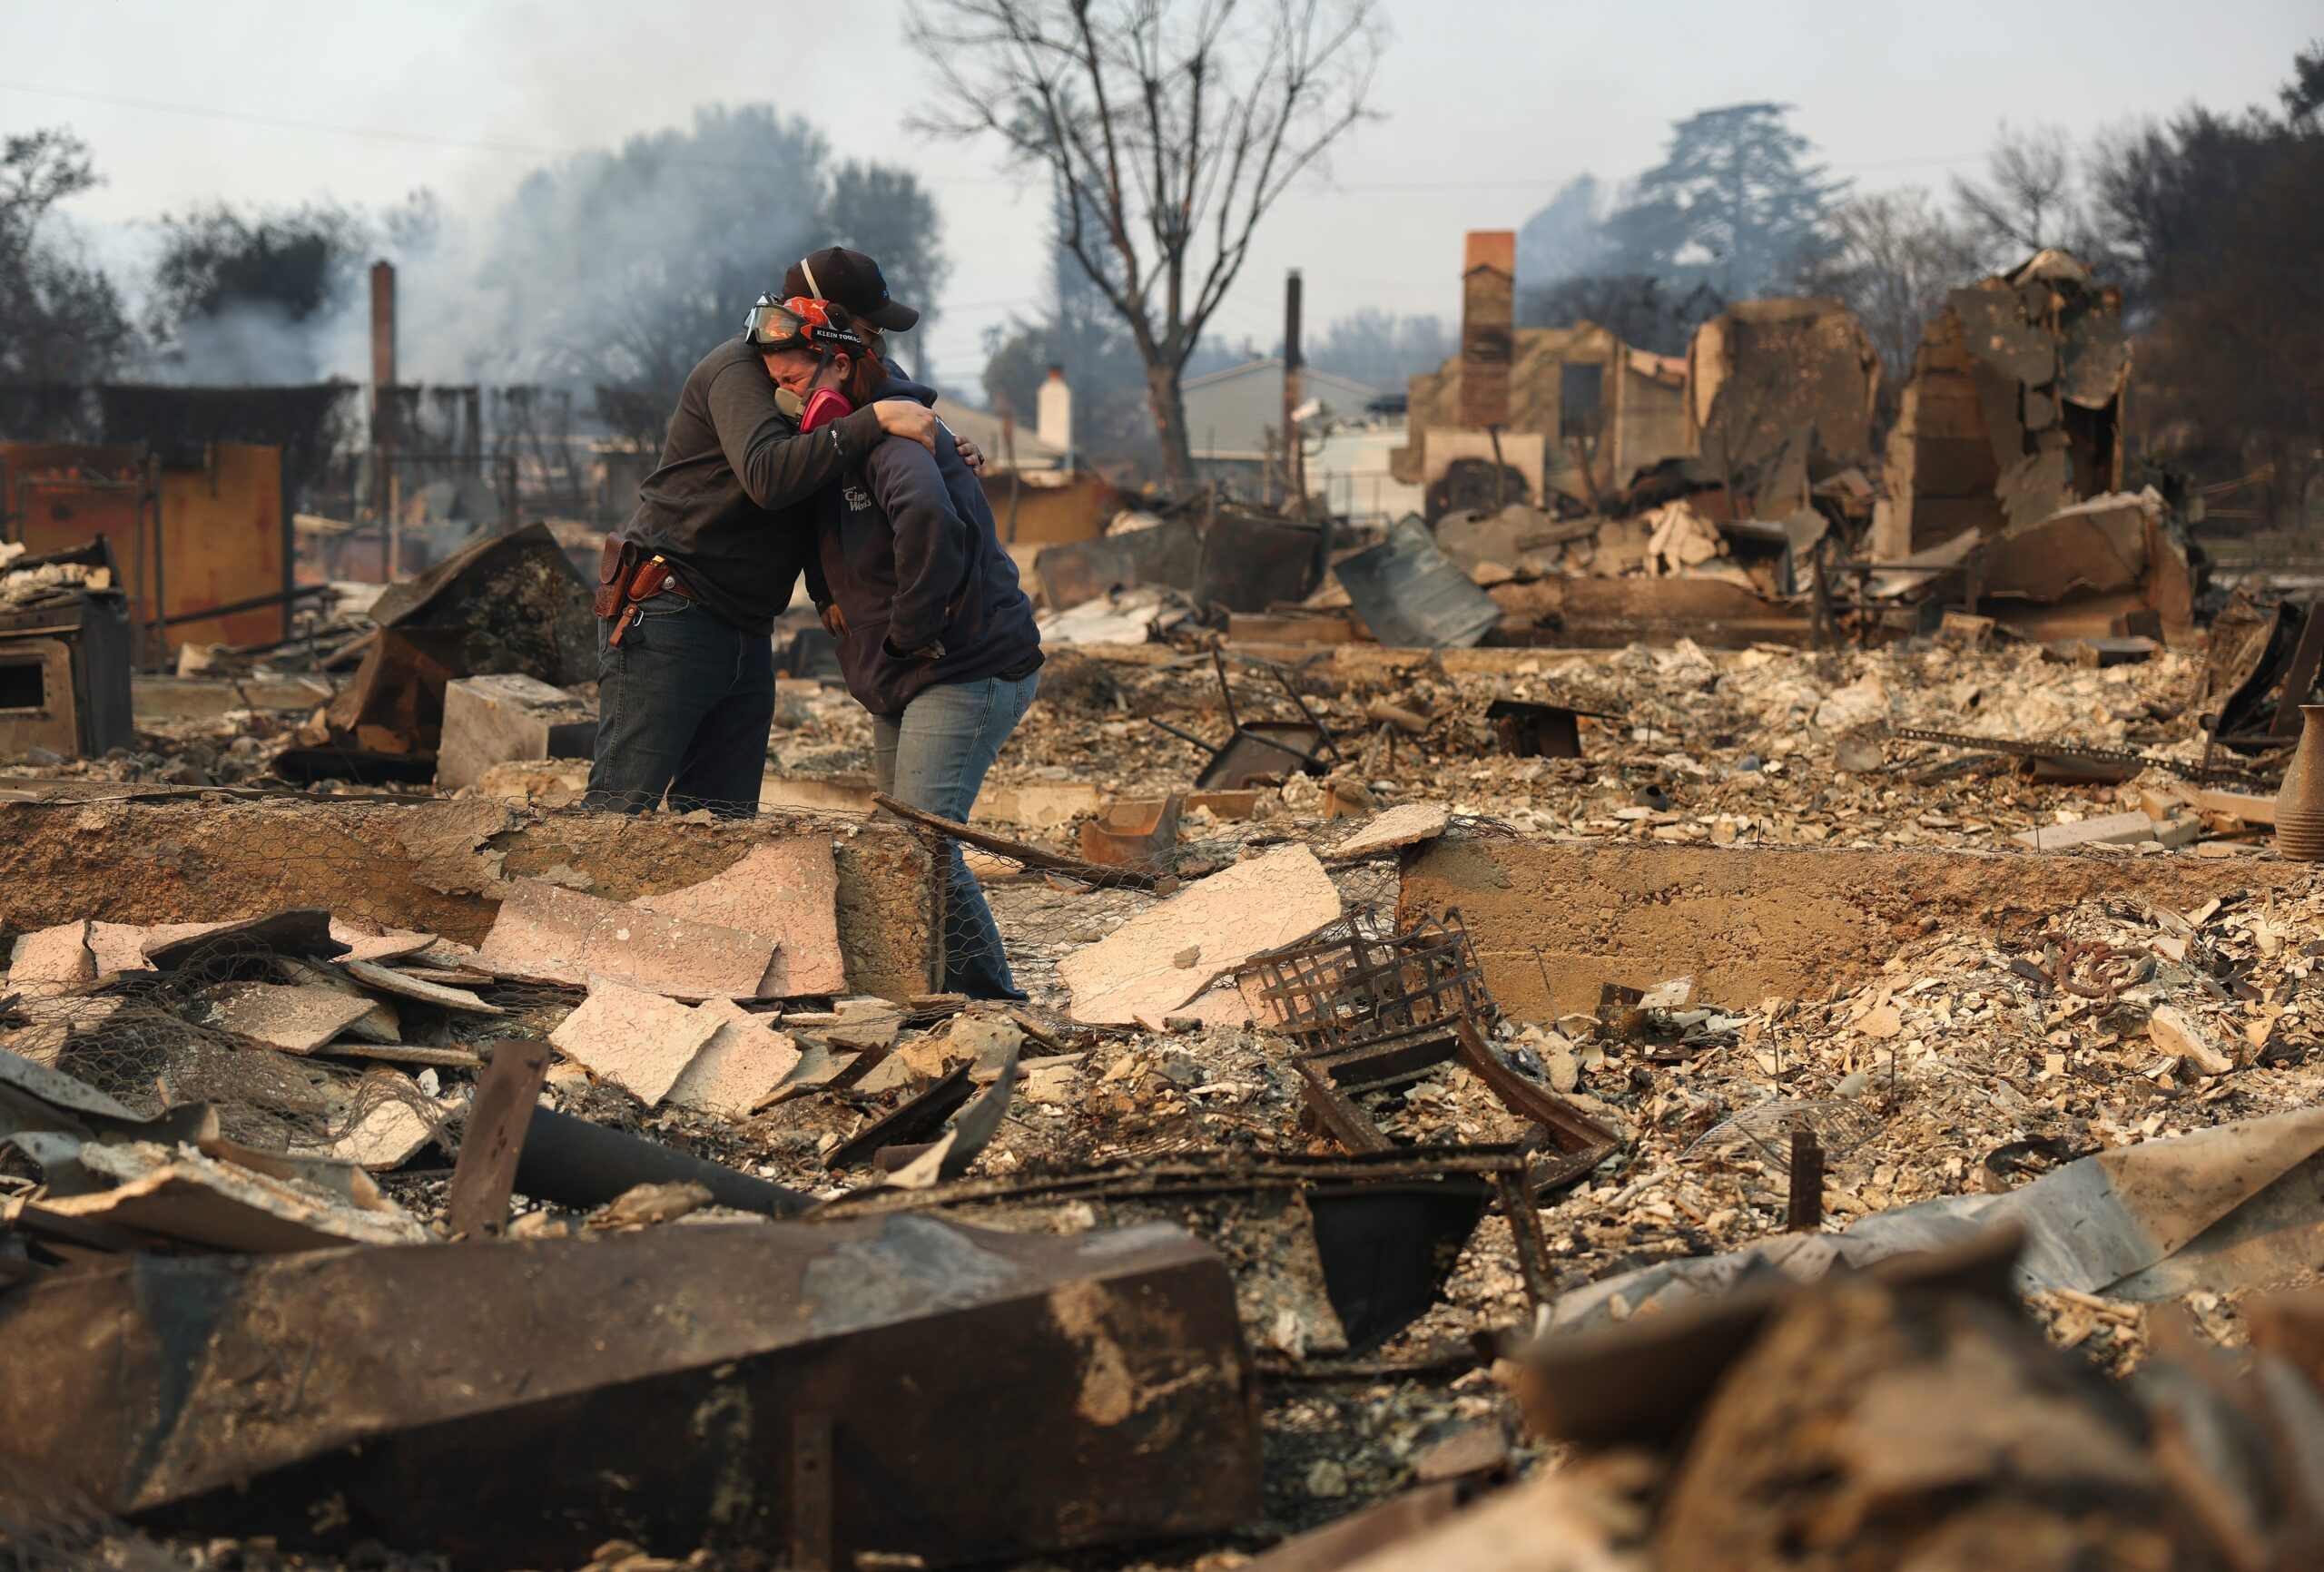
{"x": 1294, "y": 451}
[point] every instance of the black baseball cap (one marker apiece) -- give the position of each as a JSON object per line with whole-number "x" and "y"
{"x": 849, "y": 279}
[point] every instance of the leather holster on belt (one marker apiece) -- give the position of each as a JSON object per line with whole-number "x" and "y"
{"x": 616, "y": 564}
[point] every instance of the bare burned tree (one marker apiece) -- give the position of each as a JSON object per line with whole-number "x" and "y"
{"x": 2030, "y": 199}
{"x": 1171, "y": 125}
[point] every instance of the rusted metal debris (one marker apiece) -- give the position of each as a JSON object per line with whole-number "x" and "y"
{"x": 1387, "y": 1225}
{"x": 485, "y": 1171}
{"x": 2069, "y": 760}
{"x": 1356, "y": 982}
{"x": 1805, "y": 1214}
{"x": 1375, "y": 1010}
{"x": 725, "y": 1388}
{"x": 66, "y": 650}
{"x": 1531, "y": 731}
{"x": 1259, "y": 753}
{"x": 1409, "y": 592}
{"x": 915, "y": 1120}
{"x": 1133, "y": 832}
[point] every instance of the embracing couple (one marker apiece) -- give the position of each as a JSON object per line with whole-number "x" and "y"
{"x": 795, "y": 450}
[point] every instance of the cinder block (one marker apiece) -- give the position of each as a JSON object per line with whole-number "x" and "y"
{"x": 505, "y": 716}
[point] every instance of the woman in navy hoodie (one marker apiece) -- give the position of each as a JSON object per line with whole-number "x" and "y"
{"x": 935, "y": 637}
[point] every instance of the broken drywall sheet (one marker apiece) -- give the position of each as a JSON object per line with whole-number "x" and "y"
{"x": 389, "y": 1132}
{"x": 52, "y": 958}
{"x": 121, "y": 946}
{"x": 1408, "y": 824}
{"x": 1167, "y": 954}
{"x": 295, "y": 1020}
{"x": 181, "y": 1194}
{"x": 367, "y": 941}
{"x": 740, "y": 1067}
{"x": 387, "y": 979}
{"x": 640, "y": 1040}
{"x": 786, "y": 891}
{"x": 546, "y": 933}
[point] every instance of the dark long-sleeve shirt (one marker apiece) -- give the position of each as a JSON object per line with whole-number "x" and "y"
{"x": 726, "y": 506}
{"x": 908, "y": 551}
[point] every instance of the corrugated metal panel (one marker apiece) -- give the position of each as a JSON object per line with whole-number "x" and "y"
{"x": 1231, "y": 414}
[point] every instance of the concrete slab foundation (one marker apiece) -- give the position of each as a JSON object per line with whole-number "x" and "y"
{"x": 1750, "y": 922}
{"x": 439, "y": 867}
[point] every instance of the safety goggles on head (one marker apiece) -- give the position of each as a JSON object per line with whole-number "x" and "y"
{"x": 799, "y": 323}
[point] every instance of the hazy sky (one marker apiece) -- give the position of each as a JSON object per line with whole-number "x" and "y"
{"x": 1488, "y": 105}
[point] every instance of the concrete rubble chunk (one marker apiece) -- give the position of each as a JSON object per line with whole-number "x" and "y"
{"x": 740, "y": 1067}
{"x": 545, "y": 934}
{"x": 2106, "y": 830}
{"x": 295, "y": 1020}
{"x": 503, "y": 716}
{"x": 786, "y": 891}
{"x": 640, "y": 1040}
{"x": 1407, "y": 824}
{"x": 2179, "y": 1034}
{"x": 1260, "y": 905}
{"x": 52, "y": 958}
{"x": 390, "y": 980}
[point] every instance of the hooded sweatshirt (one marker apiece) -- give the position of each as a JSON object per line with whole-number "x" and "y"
{"x": 906, "y": 547}
{"x": 724, "y": 507}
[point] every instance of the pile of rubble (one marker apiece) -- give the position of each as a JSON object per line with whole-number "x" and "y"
{"x": 1329, "y": 1224}
{"x": 1474, "y": 1107}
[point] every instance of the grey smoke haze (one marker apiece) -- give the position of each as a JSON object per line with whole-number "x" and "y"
{"x": 1491, "y": 105}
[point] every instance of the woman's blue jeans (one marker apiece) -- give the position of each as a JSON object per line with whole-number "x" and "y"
{"x": 934, "y": 756}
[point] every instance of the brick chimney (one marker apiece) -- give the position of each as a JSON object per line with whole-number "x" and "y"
{"x": 1053, "y": 414}
{"x": 1488, "y": 295}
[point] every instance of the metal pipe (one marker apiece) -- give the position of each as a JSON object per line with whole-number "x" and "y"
{"x": 575, "y": 1162}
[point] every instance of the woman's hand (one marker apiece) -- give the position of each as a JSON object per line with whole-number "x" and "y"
{"x": 834, "y": 621}
{"x": 970, "y": 454}
{"x": 904, "y": 418}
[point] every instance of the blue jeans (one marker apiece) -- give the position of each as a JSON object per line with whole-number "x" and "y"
{"x": 685, "y": 703}
{"x": 934, "y": 756}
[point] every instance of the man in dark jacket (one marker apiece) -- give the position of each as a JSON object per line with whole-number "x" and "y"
{"x": 686, "y": 691}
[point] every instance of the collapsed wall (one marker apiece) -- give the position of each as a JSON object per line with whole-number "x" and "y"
{"x": 2013, "y": 410}
{"x": 440, "y": 866}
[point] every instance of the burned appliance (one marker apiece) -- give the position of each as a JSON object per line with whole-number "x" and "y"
{"x": 65, "y": 652}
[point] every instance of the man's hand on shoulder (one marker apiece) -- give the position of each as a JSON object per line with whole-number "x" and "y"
{"x": 904, "y": 417}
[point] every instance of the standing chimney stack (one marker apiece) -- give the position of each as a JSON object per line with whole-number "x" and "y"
{"x": 383, "y": 412}
{"x": 1053, "y": 416}
{"x": 1488, "y": 297}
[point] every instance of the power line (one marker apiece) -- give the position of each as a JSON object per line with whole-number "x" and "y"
{"x": 543, "y": 150}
